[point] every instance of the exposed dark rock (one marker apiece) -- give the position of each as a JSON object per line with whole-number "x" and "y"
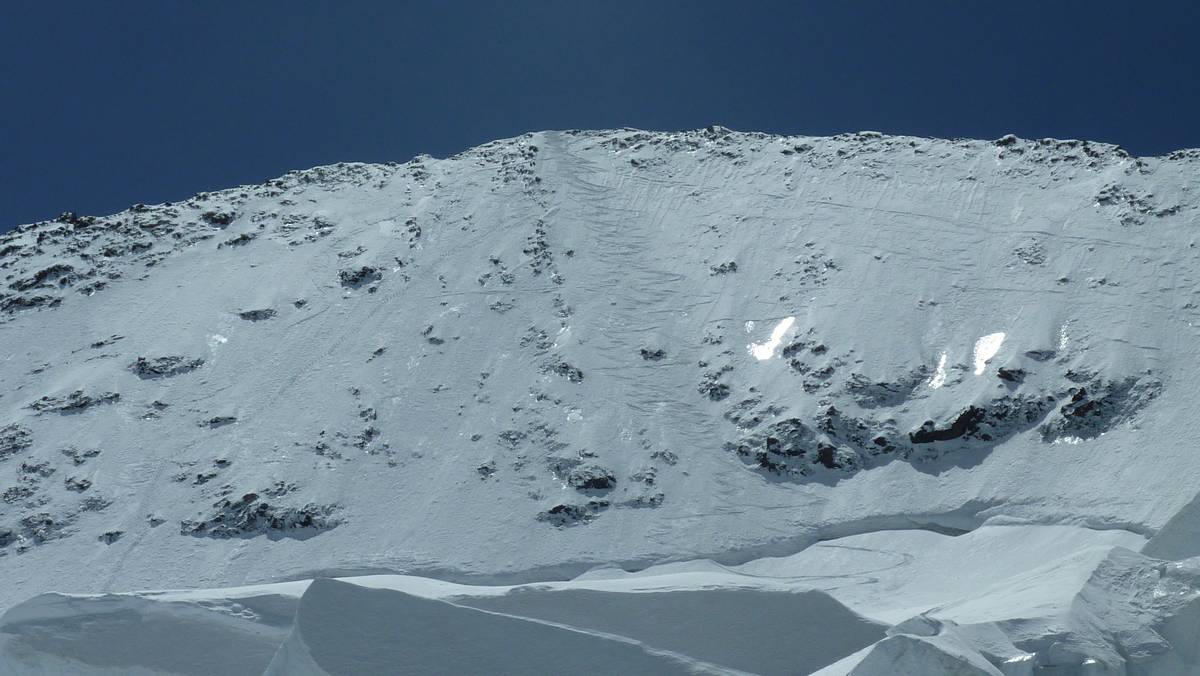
{"x": 106, "y": 342}
{"x": 1099, "y": 406}
{"x": 429, "y": 337}
{"x": 94, "y": 503}
{"x": 16, "y": 494}
{"x": 241, "y": 240}
{"x": 644, "y": 501}
{"x": 591, "y": 478}
{"x": 652, "y": 354}
{"x": 279, "y": 489}
{"x": 257, "y": 315}
{"x": 13, "y": 439}
{"x": 1013, "y": 375}
{"x": 666, "y": 456}
{"x": 646, "y": 476}
{"x": 75, "y": 402}
{"x": 218, "y": 421}
{"x": 221, "y": 218}
{"x": 357, "y": 277}
{"x": 511, "y": 438}
{"x": 204, "y": 477}
{"x": 565, "y": 370}
{"x": 250, "y": 516}
{"x": 77, "y": 484}
{"x": 992, "y": 422}
{"x": 42, "y": 527}
{"x": 110, "y": 536}
{"x": 79, "y": 457}
{"x": 782, "y": 447}
{"x": 712, "y": 388}
{"x": 723, "y": 268}
{"x": 966, "y": 422}
{"x": 869, "y": 394}
{"x": 11, "y": 304}
{"x": 60, "y": 274}
{"x": 572, "y": 515}
{"x": 164, "y": 367}
{"x": 32, "y": 471}
{"x": 538, "y": 250}
{"x": 365, "y": 437}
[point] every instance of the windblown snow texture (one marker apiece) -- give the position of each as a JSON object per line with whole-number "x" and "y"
{"x": 624, "y": 348}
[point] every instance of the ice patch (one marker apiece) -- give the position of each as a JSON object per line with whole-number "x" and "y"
{"x": 762, "y": 351}
{"x": 939, "y": 376}
{"x": 986, "y": 348}
{"x": 215, "y": 340}
{"x": 749, "y": 327}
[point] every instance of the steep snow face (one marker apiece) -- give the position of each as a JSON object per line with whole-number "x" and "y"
{"x": 531, "y": 358}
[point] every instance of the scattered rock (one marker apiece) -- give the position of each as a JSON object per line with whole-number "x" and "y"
{"x": 1013, "y": 375}
{"x": 14, "y": 438}
{"x": 565, "y": 370}
{"x": 111, "y": 536}
{"x": 249, "y": 516}
{"x": 75, "y": 402}
{"x": 164, "y": 367}
{"x": 1099, "y": 406}
{"x": 221, "y": 218}
{"x": 572, "y": 515}
{"x": 878, "y": 394}
{"x": 357, "y": 277}
{"x": 591, "y": 478}
{"x": 666, "y": 456}
{"x": 77, "y": 484}
{"x": 644, "y": 501}
{"x": 257, "y": 315}
{"x": 712, "y": 388}
{"x": 241, "y": 240}
{"x": 79, "y": 457}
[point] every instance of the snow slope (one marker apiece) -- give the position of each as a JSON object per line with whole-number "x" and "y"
{"x": 618, "y": 348}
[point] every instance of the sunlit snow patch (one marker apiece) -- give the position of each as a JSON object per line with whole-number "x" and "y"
{"x": 939, "y": 376}
{"x": 986, "y": 348}
{"x": 766, "y": 350}
{"x": 215, "y": 340}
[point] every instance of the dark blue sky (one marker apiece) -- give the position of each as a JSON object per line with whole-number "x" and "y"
{"x": 104, "y": 104}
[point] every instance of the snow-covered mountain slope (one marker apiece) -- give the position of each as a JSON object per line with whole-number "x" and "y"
{"x": 622, "y": 348}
